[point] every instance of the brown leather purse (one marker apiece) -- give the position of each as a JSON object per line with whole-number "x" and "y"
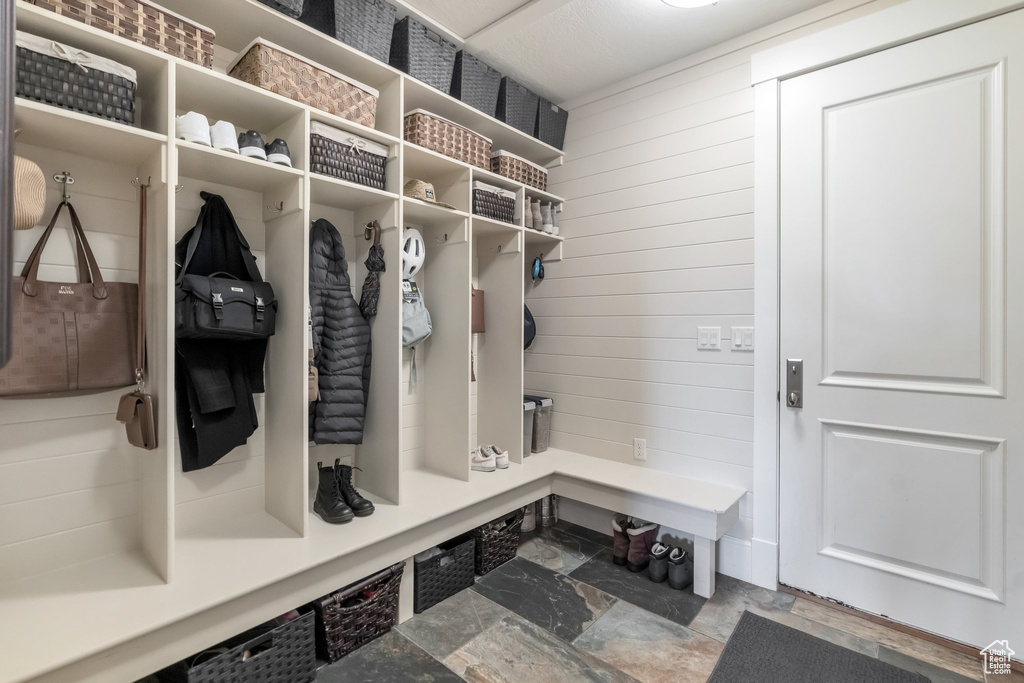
{"x": 69, "y": 337}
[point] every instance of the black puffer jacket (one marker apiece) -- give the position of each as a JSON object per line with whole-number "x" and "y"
{"x": 341, "y": 342}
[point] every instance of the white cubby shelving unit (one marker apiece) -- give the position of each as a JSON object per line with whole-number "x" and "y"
{"x": 138, "y": 545}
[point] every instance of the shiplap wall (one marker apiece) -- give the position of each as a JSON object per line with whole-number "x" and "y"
{"x": 74, "y": 495}
{"x": 658, "y": 178}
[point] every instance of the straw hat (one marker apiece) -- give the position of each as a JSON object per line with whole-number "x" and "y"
{"x": 418, "y": 189}
{"x": 29, "y": 193}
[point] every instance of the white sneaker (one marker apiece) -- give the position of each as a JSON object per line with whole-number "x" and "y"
{"x": 193, "y": 127}
{"x": 223, "y": 136}
{"x": 482, "y": 461}
{"x": 500, "y": 456}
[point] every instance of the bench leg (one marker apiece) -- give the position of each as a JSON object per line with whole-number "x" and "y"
{"x": 703, "y": 567}
{"x": 405, "y": 593}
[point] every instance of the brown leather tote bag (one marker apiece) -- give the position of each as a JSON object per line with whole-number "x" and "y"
{"x": 70, "y": 338}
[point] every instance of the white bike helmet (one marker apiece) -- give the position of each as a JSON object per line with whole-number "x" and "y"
{"x": 413, "y": 252}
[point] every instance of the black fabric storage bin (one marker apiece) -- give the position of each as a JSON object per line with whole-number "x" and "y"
{"x": 517, "y": 106}
{"x": 495, "y": 547}
{"x": 551, "y": 120}
{"x": 342, "y": 628}
{"x": 92, "y": 85}
{"x": 281, "y": 654}
{"x": 442, "y": 576}
{"x": 365, "y": 25}
{"x": 293, "y": 8}
{"x": 475, "y": 83}
{"x": 338, "y": 154}
{"x": 423, "y": 54}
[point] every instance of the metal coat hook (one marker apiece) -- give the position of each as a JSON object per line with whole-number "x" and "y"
{"x": 496, "y": 251}
{"x": 137, "y": 183}
{"x": 178, "y": 188}
{"x": 65, "y": 179}
{"x": 372, "y": 231}
{"x": 440, "y": 241}
{"x": 276, "y": 208}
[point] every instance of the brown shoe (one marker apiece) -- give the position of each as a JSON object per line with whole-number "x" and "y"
{"x": 642, "y": 536}
{"x": 620, "y": 540}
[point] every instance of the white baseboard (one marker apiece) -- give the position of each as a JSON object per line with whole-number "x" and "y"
{"x": 734, "y": 554}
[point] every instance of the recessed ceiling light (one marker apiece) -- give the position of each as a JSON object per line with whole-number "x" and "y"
{"x": 690, "y": 4}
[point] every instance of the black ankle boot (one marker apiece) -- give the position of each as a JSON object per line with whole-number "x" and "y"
{"x": 360, "y": 506}
{"x": 329, "y": 503}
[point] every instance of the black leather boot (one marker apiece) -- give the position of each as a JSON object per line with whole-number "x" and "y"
{"x": 329, "y": 503}
{"x": 360, "y": 506}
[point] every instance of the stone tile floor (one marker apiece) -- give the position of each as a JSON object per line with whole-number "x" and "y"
{"x": 562, "y": 612}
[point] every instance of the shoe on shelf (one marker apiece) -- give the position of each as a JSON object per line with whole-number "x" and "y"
{"x": 538, "y": 220}
{"x": 500, "y": 456}
{"x": 224, "y": 137}
{"x": 250, "y": 144}
{"x": 680, "y": 569}
{"x": 546, "y": 223}
{"x": 641, "y": 539}
{"x": 528, "y": 213}
{"x": 278, "y": 153}
{"x": 360, "y": 506}
{"x": 482, "y": 462}
{"x": 555, "y": 210}
{"x": 620, "y": 540}
{"x": 657, "y": 570}
{"x": 329, "y": 503}
{"x": 193, "y": 127}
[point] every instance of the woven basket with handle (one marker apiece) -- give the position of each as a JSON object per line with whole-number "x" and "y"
{"x": 340, "y": 629}
{"x": 143, "y": 22}
{"x": 497, "y": 543}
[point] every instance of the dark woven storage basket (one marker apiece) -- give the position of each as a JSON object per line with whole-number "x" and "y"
{"x": 366, "y": 25}
{"x": 423, "y": 54}
{"x": 495, "y": 548}
{"x": 551, "y": 121}
{"x": 334, "y": 153}
{"x": 340, "y": 630}
{"x": 517, "y": 106}
{"x": 475, "y": 83}
{"x": 444, "y": 575}
{"x": 53, "y": 80}
{"x": 496, "y": 206}
{"x": 285, "y": 654}
{"x": 142, "y": 22}
{"x": 293, "y": 8}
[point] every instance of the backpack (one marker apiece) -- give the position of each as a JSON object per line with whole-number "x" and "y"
{"x": 416, "y": 324}
{"x": 529, "y": 327}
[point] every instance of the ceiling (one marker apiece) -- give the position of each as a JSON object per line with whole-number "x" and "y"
{"x": 567, "y": 48}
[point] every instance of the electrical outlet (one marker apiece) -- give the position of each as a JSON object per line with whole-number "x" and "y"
{"x": 640, "y": 450}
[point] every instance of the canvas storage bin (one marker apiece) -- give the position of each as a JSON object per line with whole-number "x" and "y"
{"x": 494, "y": 202}
{"x": 74, "y": 79}
{"x": 519, "y": 169}
{"x": 442, "y": 576}
{"x": 286, "y": 73}
{"x": 339, "y": 154}
{"x": 448, "y": 138}
{"x": 353, "y": 616}
{"x": 141, "y": 21}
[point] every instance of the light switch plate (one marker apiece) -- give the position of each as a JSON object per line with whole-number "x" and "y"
{"x": 743, "y": 339}
{"x": 709, "y": 338}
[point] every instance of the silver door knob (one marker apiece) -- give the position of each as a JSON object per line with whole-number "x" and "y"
{"x": 793, "y": 398}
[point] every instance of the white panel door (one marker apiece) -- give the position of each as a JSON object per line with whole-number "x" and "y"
{"x": 902, "y": 290}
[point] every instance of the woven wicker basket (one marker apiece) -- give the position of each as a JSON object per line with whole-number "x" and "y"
{"x": 495, "y": 547}
{"x": 283, "y": 72}
{"x": 519, "y": 169}
{"x": 517, "y": 106}
{"x": 90, "y": 84}
{"x": 475, "y": 83}
{"x": 444, "y": 575}
{"x": 494, "y": 202}
{"x": 445, "y": 137}
{"x": 340, "y": 629}
{"x": 422, "y": 54}
{"x": 343, "y": 155}
{"x": 141, "y": 21}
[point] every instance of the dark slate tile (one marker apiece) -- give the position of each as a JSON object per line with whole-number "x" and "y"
{"x": 603, "y": 539}
{"x": 553, "y": 601}
{"x": 448, "y": 625}
{"x": 935, "y": 673}
{"x": 678, "y": 606}
{"x": 516, "y": 651}
{"x": 393, "y": 658}
{"x": 556, "y": 549}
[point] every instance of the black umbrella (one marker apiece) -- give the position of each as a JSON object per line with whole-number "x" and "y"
{"x": 375, "y": 266}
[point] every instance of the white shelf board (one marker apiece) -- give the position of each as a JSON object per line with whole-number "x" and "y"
{"x": 489, "y": 226}
{"x": 222, "y": 98}
{"x": 342, "y": 194}
{"x": 419, "y": 95}
{"x": 425, "y": 164}
{"x": 227, "y": 168}
{"x": 429, "y": 215}
{"x": 538, "y": 238}
{"x": 55, "y": 128}
{"x": 509, "y": 184}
